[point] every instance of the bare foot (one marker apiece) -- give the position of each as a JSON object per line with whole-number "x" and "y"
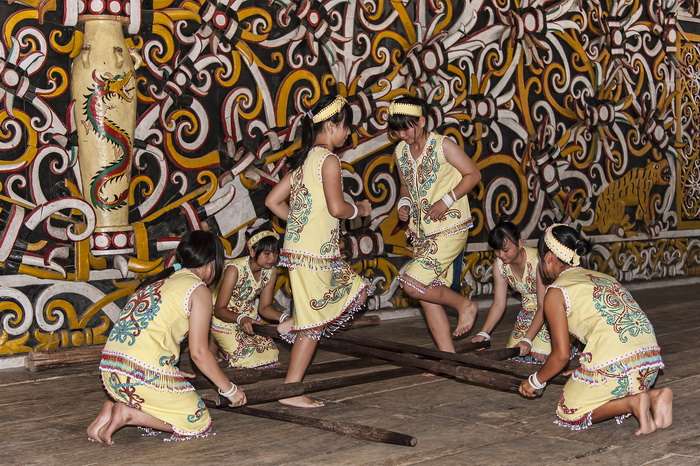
{"x": 662, "y": 407}
{"x": 102, "y": 418}
{"x": 119, "y": 418}
{"x": 286, "y": 326}
{"x": 302, "y": 401}
{"x": 467, "y": 315}
{"x": 641, "y": 409}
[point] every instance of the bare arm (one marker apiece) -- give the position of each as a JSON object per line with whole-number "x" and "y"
{"x": 200, "y": 320}
{"x": 333, "y": 191}
{"x": 555, "y": 313}
{"x": 405, "y": 211}
{"x": 461, "y": 161}
{"x": 498, "y": 307}
{"x": 276, "y": 201}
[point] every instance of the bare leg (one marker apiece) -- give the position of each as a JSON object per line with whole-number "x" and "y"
{"x": 102, "y": 418}
{"x": 302, "y": 354}
{"x": 438, "y": 325}
{"x": 285, "y": 326}
{"x": 123, "y": 415}
{"x": 662, "y": 406}
{"x": 444, "y": 296}
{"x": 639, "y": 405}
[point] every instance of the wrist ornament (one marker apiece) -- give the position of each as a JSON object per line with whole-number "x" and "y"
{"x": 404, "y": 202}
{"x": 240, "y": 317}
{"x": 284, "y": 317}
{"x": 447, "y": 199}
{"x": 354, "y": 214}
{"x": 526, "y": 340}
{"x": 231, "y": 392}
{"x": 536, "y": 383}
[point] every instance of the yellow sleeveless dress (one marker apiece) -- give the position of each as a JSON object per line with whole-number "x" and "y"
{"x": 325, "y": 289}
{"x": 240, "y": 348}
{"x": 139, "y": 360}
{"x": 621, "y": 356}
{"x": 436, "y": 244}
{"x": 527, "y": 287}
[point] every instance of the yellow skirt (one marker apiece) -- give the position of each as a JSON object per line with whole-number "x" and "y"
{"x": 324, "y": 300}
{"x": 432, "y": 260}
{"x": 184, "y": 411}
{"x": 242, "y": 349}
{"x": 579, "y": 399}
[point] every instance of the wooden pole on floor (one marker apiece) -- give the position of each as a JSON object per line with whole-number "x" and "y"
{"x": 351, "y": 429}
{"x": 489, "y": 360}
{"x": 242, "y": 376}
{"x": 288, "y": 390}
{"x": 489, "y": 379}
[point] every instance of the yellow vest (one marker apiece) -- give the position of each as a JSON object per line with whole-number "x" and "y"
{"x": 428, "y": 178}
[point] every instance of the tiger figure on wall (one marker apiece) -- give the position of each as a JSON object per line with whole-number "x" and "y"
{"x": 633, "y": 189}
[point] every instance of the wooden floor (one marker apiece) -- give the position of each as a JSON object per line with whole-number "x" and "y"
{"x": 44, "y": 414}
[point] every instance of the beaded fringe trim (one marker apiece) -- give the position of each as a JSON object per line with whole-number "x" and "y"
{"x": 413, "y": 283}
{"x": 180, "y": 435}
{"x": 328, "y": 328}
{"x": 293, "y": 260}
{"x": 584, "y": 422}
{"x": 466, "y": 225}
{"x": 157, "y": 380}
{"x": 622, "y": 366}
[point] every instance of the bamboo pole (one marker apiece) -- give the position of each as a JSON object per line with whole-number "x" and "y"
{"x": 486, "y": 359}
{"x": 242, "y": 376}
{"x": 360, "y": 431}
{"x": 288, "y": 390}
{"x": 489, "y": 379}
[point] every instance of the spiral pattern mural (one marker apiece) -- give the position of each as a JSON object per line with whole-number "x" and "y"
{"x": 577, "y": 111}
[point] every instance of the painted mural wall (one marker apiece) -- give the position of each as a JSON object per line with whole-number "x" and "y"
{"x": 124, "y": 124}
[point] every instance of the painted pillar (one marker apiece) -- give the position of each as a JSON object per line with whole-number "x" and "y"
{"x": 104, "y": 89}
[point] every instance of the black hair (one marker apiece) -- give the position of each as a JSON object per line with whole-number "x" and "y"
{"x": 404, "y": 122}
{"x": 196, "y": 248}
{"x": 567, "y": 236}
{"x": 266, "y": 244}
{"x": 309, "y": 129}
{"x": 503, "y": 231}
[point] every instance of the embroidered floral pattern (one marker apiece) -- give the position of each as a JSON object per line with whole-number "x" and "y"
{"x": 619, "y": 309}
{"x": 331, "y": 246}
{"x": 197, "y": 415}
{"x": 300, "y": 204}
{"x": 341, "y": 283}
{"x": 136, "y": 315}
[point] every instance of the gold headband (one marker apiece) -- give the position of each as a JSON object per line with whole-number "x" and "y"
{"x": 329, "y": 110}
{"x": 258, "y": 236}
{"x": 399, "y": 108}
{"x": 563, "y": 253}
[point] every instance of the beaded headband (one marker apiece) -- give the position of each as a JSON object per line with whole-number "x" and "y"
{"x": 563, "y": 253}
{"x": 258, "y": 236}
{"x": 399, "y": 108}
{"x": 329, "y": 110}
